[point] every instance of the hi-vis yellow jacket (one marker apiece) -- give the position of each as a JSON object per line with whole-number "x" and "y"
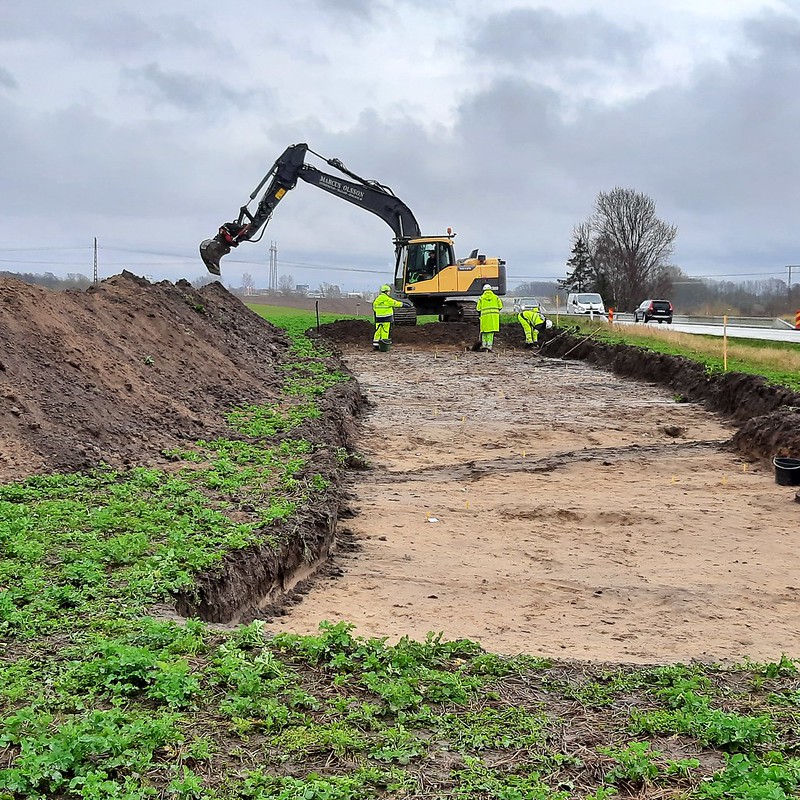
{"x": 384, "y": 306}
{"x": 533, "y": 316}
{"x": 489, "y": 305}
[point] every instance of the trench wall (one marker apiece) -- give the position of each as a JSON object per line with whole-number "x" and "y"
{"x": 256, "y": 581}
{"x": 767, "y": 416}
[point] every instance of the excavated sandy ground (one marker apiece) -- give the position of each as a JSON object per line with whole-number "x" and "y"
{"x": 579, "y": 515}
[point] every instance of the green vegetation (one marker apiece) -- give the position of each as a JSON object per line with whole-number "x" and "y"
{"x": 311, "y": 371}
{"x": 104, "y": 698}
{"x": 778, "y": 362}
{"x": 154, "y": 708}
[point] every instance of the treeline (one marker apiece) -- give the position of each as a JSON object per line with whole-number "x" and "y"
{"x": 623, "y": 251}
{"x": 73, "y": 280}
{"x": 763, "y": 298}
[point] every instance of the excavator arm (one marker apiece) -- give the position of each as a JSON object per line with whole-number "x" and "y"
{"x": 286, "y": 171}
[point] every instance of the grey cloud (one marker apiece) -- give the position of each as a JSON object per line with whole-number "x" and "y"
{"x": 82, "y": 169}
{"x": 117, "y": 33}
{"x": 512, "y": 175}
{"x": 7, "y": 79}
{"x": 718, "y": 154}
{"x": 728, "y": 140}
{"x": 364, "y": 10}
{"x": 775, "y": 33}
{"x": 88, "y": 29}
{"x": 80, "y": 26}
{"x": 542, "y": 34}
{"x": 189, "y": 92}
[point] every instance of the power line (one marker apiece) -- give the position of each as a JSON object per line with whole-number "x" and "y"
{"x": 148, "y": 252}
{"x": 51, "y": 263}
{"x": 37, "y": 249}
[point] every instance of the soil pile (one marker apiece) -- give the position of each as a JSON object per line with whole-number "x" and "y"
{"x": 118, "y": 372}
{"x": 462, "y": 335}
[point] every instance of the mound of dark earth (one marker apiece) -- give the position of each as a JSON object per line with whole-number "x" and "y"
{"x": 451, "y": 334}
{"x": 118, "y": 372}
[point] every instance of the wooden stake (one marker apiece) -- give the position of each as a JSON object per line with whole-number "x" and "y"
{"x": 725, "y": 343}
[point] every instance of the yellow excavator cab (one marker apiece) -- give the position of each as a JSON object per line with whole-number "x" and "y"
{"x": 429, "y": 275}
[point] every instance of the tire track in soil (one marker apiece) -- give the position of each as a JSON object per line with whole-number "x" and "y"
{"x": 579, "y": 515}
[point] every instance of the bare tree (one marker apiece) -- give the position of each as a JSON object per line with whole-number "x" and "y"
{"x": 248, "y": 284}
{"x": 329, "y": 290}
{"x": 630, "y": 245}
{"x": 285, "y": 284}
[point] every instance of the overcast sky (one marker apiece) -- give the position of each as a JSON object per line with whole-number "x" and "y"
{"x": 148, "y": 124}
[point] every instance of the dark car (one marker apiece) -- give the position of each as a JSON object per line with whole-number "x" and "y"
{"x": 654, "y": 309}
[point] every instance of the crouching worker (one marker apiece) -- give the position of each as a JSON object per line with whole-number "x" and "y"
{"x": 383, "y": 306}
{"x": 488, "y": 306}
{"x": 533, "y": 323}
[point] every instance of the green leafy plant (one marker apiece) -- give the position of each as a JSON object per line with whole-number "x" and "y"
{"x": 747, "y": 778}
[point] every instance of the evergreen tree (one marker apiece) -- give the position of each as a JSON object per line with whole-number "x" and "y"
{"x": 579, "y": 278}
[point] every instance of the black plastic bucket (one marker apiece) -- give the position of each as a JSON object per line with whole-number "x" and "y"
{"x": 787, "y": 471}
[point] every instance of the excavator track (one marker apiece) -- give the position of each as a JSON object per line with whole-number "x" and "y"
{"x": 459, "y": 312}
{"x": 405, "y": 316}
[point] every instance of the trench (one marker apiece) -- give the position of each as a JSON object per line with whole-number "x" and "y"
{"x": 546, "y": 506}
{"x": 459, "y": 425}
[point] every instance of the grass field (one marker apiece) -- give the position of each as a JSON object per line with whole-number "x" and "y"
{"x": 778, "y": 362}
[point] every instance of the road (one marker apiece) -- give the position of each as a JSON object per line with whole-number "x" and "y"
{"x": 709, "y": 329}
{"x": 736, "y": 332}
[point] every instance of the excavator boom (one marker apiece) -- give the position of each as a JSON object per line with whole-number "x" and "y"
{"x": 286, "y": 171}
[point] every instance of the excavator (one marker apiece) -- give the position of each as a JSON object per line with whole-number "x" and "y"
{"x": 427, "y": 277}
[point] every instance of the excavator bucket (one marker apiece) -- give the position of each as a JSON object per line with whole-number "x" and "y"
{"x": 212, "y": 251}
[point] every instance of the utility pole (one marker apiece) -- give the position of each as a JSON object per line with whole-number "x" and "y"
{"x": 790, "y": 267}
{"x": 273, "y": 267}
{"x": 95, "y": 260}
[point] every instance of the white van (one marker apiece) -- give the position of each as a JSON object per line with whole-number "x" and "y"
{"x": 585, "y": 303}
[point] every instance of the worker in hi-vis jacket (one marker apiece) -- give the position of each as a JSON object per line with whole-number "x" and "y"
{"x": 533, "y": 324}
{"x": 383, "y": 306}
{"x": 488, "y": 306}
